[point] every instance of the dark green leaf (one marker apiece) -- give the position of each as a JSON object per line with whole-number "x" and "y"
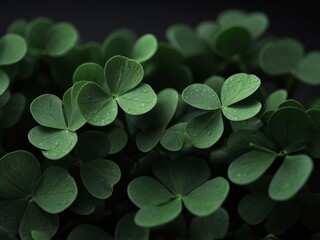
{"x": 99, "y": 177}
{"x": 307, "y": 69}
{"x": 87, "y": 231}
{"x": 292, "y": 103}
{"x": 283, "y": 216}
{"x": 206, "y": 129}
{"x": 4, "y": 81}
{"x": 291, "y": 127}
{"x": 19, "y": 173}
{"x": 250, "y": 166}
{"x": 122, "y": 74}
{"x": 144, "y": 48}
{"x": 206, "y": 31}
{"x": 208, "y": 197}
{"x": 253, "y": 123}
{"x": 153, "y": 216}
{"x": 138, "y": 101}
{"x": 97, "y": 106}
{"x": 38, "y": 235}
{"x": 13, "y": 110}
{"x": 182, "y": 175}
{"x": 238, "y": 87}
{"x": 232, "y": 41}
{"x": 174, "y": 137}
{"x": 314, "y": 114}
{"x": 281, "y": 56}
{"x": 275, "y": 99}
{"x": 118, "y": 139}
{"x": 146, "y": 191}
{"x": 243, "y": 110}
{"x": 55, "y": 191}
{"x": 126, "y": 229}
{"x": 185, "y": 39}
{"x": 201, "y": 96}
{"x": 60, "y": 39}
{"x": 92, "y": 145}
{"x": 119, "y": 42}
{"x": 47, "y": 111}
{"x": 213, "y": 226}
{"x": 147, "y": 139}
{"x": 290, "y": 177}
{"x": 254, "y": 208}
{"x": 35, "y": 31}
{"x": 12, "y": 49}
{"x": 11, "y": 212}
{"x": 35, "y": 219}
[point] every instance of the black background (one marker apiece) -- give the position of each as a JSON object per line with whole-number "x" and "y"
{"x": 95, "y": 19}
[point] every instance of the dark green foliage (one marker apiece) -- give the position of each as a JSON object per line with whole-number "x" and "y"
{"x": 135, "y": 139}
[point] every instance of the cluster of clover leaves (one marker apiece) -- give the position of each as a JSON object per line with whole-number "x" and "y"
{"x": 194, "y": 138}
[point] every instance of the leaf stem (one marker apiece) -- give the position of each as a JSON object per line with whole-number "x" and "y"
{"x": 264, "y": 149}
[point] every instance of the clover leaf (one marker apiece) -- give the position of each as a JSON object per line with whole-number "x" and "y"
{"x": 54, "y": 40}
{"x": 59, "y": 120}
{"x": 307, "y": 69}
{"x": 156, "y": 120}
{"x": 12, "y": 49}
{"x": 86, "y": 231}
{"x": 213, "y": 226}
{"x": 292, "y": 129}
{"x": 31, "y": 200}
{"x": 99, "y": 102}
{"x": 124, "y": 42}
{"x": 97, "y": 174}
{"x": 206, "y": 129}
{"x": 179, "y": 184}
{"x": 281, "y": 56}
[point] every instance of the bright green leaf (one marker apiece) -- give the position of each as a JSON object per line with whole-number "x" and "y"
{"x": 47, "y": 111}
{"x": 126, "y": 229}
{"x": 281, "y": 56}
{"x": 99, "y": 177}
{"x": 87, "y": 231}
{"x": 153, "y": 216}
{"x": 211, "y": 227}
{"x": 97, "y": 107}
{"x": 12, "y": 49}
{"x": 122, "y": 74}
{"x": 201, "y": 96}
{"x": 262, "y": 205}
{"x": 60, "y": 39}
{"x": 138, "y": 101}
{"x": 290, "y": 177}
{"x": 146, "y": 191}
{"x": 144, "y": 48}
{"x": 205, "y": 130}
{"x": 242, "y": 110}
{"x": 19, "y": 173}
{"x": 250, "y": 166}
{"x": 73, "y": 116}
{"x": 89, "y": 72}
{"x": 208, "y": 197}
{"x": 55, "y": 191}
{"x": 238, "y": 87}
{"x": 35, "y": 219}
